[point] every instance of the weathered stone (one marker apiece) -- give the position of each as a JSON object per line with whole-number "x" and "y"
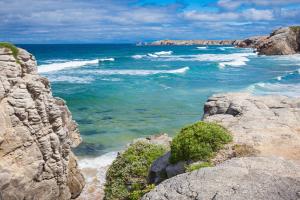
{"x": 36, "y": 135}
{"x": 239, "y": 178}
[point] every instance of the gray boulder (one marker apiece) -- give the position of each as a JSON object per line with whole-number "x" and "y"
{"x": 254, "y": 178}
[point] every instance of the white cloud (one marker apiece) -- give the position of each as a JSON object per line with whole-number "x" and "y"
{"x": 256, "y": 15}
{"x": 247, "y": 15}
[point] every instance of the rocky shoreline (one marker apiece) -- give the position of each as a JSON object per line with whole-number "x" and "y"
{"x": 193, "y": 42}
{"x": 282, "y": 41}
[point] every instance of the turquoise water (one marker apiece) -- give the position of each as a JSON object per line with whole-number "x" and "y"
{"x": 120, "y": 92}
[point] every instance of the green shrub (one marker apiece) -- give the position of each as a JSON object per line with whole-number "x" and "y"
{"x": 12, "y": 47}
{"x": 197, "y": 166}
{"x": 198, "y": 142}
{"x": 296, "y": 29}
{"x": 127, "y": 176}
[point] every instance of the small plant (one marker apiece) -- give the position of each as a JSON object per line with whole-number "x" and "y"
{"x": 243, "y": 150}
{"x": 12, "y": 47}
{"x": 198, "y": 142}
{"x": 127, "y": 176}
{"x": 196, "y": 166}
{"x": 296, "y": 29}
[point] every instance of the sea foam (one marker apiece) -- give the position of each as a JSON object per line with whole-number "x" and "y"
{"x": 65, "y": 65}
{"x": 137, "y": 72}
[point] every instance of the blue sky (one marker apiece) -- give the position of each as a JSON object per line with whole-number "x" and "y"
{"x": 115, "y": 21}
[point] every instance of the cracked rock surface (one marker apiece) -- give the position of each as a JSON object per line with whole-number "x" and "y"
{"x": 270, "y": 124}
{"x": 36, "y": 135}
{"x": 236, "y": 179}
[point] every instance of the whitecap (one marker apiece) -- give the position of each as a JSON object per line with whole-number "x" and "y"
{"x": 292, "y": 90}
{"x": 65, "y": 65}
{"x": 137, "y": 72}
{"x": 201, "y": 48}
{"x": 138, "y": 56}
{"x": 163, "y": 53}
{"x": 71, "y": 79}
{"x": 107, "y": 59}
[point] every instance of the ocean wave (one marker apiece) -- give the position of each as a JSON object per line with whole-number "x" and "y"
{"x": 138, "y": 56}
{"x": 106, "y": 59}
{"x": 153, "y": 55}
{"x": 71, "y": 79}
{"x": 137, "y": 72}
{"x": 111, "y": 79}
{"x": 292, "y": 90}
{"x": 163, "y": 53}
{"x": 235, "y": 59}
{"x": 201, "y": 48}
{"x": 65, "y": 65}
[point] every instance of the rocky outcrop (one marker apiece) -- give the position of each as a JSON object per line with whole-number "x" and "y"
{"x": 269, "y": 124}
{"x": 36, "y": 135}
{"x": 239, "y": 178}
{"x": 193, "y": 42}
{"x": 283, "y": 41}
{"x": 262, "y": 162}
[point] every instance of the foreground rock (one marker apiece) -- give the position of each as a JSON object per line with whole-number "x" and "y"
{"x": 283, "y": 41}
{"x": 36, "y": 135}
{"x": 194, "y": 42}
{"x": 269, "y": 124}
{"x": 239, "y": 178}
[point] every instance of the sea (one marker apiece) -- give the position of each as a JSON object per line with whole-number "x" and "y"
{"x": 120, "y": 92}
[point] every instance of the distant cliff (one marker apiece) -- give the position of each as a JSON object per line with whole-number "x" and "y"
{"x": 283, "y": 41}
{"x": 193, "y": 42}
{"x": 36, "y": 134}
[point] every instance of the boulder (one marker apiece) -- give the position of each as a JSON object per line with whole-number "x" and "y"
{"x": 239, "y": 178}
{"x": 36, "y": 135}
{"x": 269, "y": 124}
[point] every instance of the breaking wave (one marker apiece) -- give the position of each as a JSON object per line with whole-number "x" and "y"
{"x": 65, "y": 65}
{"x": 137, "y": 72}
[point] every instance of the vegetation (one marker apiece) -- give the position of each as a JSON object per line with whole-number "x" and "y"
{"x": 243, "y": 150}
{"x": 12, "y": 47}
{"x": 127, "y": 176}
{"x": 196, "y": 166}
{"x": 296, "y": 29}
{"x": 199, "y": 141}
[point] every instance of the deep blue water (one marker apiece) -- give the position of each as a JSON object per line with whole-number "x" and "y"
{"x": 120, "y": 92}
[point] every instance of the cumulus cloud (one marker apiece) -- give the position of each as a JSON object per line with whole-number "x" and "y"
{"x": 57, "y": 21}
{"x": 233, "y": 4}
{"x": 248, "y": 14}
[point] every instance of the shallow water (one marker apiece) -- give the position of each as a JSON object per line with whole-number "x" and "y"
{"x": 120, "y": 92}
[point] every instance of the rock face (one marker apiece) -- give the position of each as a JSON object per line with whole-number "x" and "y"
{"x": 265, "y": 127}
{"x": 194, "y": 42}
{"x": 283, "y": 41}
{"x": 239, "y": 178}
{"x": 36, "y": 135}
{"x": 270, "y": 124}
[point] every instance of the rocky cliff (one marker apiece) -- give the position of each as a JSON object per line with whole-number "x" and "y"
{"x": 194, "y": 42}
{"x": 36, "y": 134}
{"x": 268, "y": 124}
{"x": 283, "y": 41}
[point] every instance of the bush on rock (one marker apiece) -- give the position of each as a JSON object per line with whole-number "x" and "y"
{"x": 198, "y": 142}
{"x": 127, "y": 176}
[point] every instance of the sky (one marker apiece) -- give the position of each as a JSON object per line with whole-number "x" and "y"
{"x": 128, "y": 21}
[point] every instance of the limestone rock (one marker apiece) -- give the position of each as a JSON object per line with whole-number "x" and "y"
{"x": 283, "y": 41}
{"x": 269, "y": 124}
{"x": 256, "y": 178}
{"x": 36, "y": 135}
